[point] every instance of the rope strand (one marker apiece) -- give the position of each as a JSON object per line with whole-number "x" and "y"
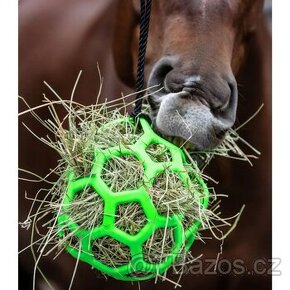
{"x": 145, "y": 10}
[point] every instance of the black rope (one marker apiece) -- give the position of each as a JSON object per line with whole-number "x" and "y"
{"x": 145, "y": 9}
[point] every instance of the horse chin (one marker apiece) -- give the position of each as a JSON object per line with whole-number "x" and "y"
{"x": 186, "y": 123}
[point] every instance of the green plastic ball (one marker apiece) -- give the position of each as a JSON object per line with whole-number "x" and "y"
{"x": 183, "y": 239}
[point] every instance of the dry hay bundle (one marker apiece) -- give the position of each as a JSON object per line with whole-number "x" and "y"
{"x": 78, "y": 136}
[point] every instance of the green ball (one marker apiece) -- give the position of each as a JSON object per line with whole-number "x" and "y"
{"x": 183, "y": 238}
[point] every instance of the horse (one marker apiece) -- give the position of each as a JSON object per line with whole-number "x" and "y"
{"x": 213, "y": 60}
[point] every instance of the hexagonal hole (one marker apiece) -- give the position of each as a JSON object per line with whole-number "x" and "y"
{"x": 123, "y": 132}
{"x": 159, "y": 246}
{"x": 123, "y": 173}
{"x": 111, "y": 252}
{"x": 130, "y": 218}
{"x": 158, "y": 152}
{"x": 87, "y": 208}
{"x": 170, "y": 196}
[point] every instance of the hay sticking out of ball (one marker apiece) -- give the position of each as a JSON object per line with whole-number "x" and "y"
{"x": 77, "y": 136}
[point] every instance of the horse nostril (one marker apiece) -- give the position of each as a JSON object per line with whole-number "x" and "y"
{"x": 160, "y": 71}
{"x": 225, "y": 107}
{"x": 228, "y": 111}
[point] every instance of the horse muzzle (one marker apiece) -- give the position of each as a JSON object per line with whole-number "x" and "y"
{"x": 194, "y": 104}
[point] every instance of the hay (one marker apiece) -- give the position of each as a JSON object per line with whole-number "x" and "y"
{"x": 159, "y": 246}
{"x": 130, "y": 218}
{"x": 86, "y": 209}
{"x": 111, "y": 252}
{"x": 77, "y": 136}
{"x": 170, "y": 196}
{"x": 123, "y": 173}
{"x": 158, "y": 153}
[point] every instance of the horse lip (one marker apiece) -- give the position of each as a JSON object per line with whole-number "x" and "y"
{"x": 217, "y": 139}
{"x": 198, "y": 93}
{"x": 216, "y": 134}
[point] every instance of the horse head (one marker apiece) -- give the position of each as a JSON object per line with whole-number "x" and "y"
{"x": 195, "y": 49}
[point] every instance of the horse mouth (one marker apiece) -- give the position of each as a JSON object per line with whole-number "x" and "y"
{"x": 185, "y": 122}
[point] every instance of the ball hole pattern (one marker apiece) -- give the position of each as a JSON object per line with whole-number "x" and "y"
{"x": 127, "y": 173}
{"x": 123, "y": 173}
{"x": 130, "y": 218}
{"x": 111, "y": 252}
{"x": 86, "y": 209}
